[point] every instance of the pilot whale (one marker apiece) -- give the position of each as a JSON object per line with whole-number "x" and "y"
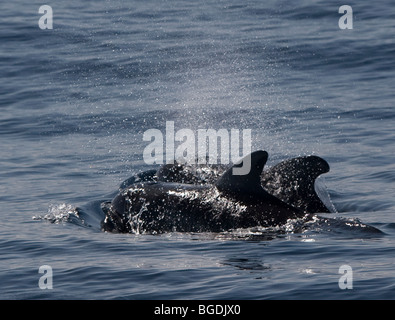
{"x": 210, "y": 198}
{"x": 292, "y": 180}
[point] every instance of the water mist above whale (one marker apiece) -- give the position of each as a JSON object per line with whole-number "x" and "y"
{"x": 210, "y": 198}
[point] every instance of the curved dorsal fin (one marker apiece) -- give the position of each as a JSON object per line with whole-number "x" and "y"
{"x": 244, "y": 183}
{"x": 293, "y": 181}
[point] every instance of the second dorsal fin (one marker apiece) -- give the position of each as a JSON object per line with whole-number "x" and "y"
{"x": 293, "y": 181}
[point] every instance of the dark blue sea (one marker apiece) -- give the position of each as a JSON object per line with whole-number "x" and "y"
{"x": 75, "y": 101}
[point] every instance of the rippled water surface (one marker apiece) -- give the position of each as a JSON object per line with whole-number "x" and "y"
{"x": 76, "y": 100}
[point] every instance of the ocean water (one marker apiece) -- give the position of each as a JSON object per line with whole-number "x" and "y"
{"x": 75, "y": 101}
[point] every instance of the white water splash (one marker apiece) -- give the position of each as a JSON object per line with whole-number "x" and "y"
{"x": 60, "y": 213}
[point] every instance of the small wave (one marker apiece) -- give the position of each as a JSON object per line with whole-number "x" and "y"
{"x": 341, "y": 226}
{"x": 292, "y": 226}
{"x": 250, "y": 264}
{"x": 338, "y": 226}
{"x": 62, "y": 213}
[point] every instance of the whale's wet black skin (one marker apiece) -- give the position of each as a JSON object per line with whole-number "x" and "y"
{"x": 204, "y": 198}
